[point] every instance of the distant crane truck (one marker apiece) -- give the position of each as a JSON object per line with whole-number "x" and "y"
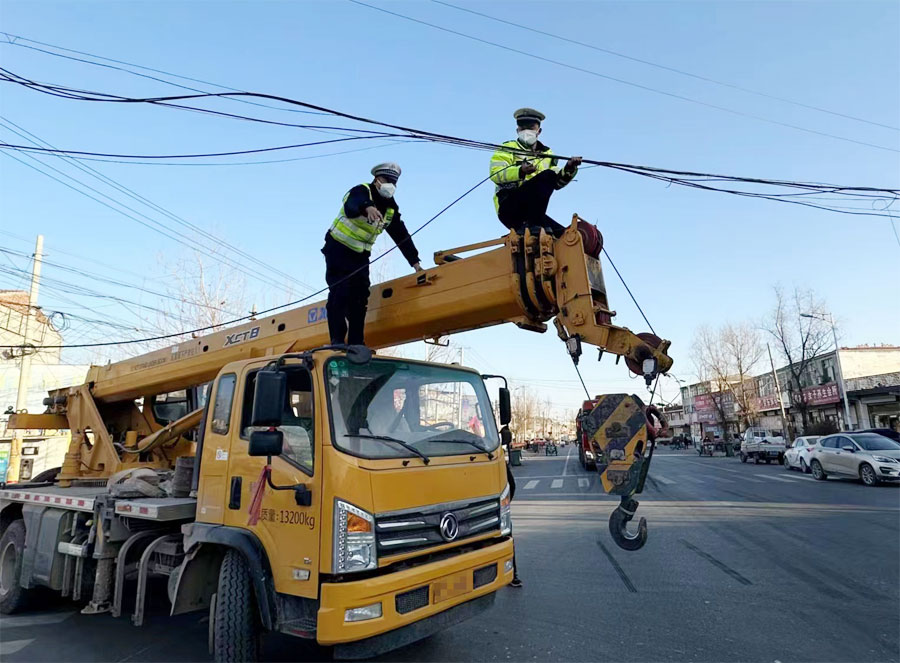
{"x": 282, "y": 484}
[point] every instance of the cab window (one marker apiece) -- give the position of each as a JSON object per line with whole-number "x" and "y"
{"x": 297, "y": 422}
{"x": 221, "y": 418}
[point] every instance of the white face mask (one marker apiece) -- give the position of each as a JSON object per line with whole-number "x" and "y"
{"x": 528, "y": 137}
{"x": 386, "y": 189}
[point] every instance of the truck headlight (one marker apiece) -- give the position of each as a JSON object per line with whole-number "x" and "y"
{"x": 505, "y": 515}
{"x": 354, "y": 539}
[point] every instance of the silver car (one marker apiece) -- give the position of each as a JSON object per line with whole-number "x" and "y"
{"x": 798, "y": 456}
{"x": 866, "y": 456}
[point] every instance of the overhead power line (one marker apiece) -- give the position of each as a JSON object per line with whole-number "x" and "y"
{"x": 664, "y": 67}
{"x": 162, "y": 229}
{"x": 622, "y": 81}
{"x": 96, "y": 174}
{"x": 702, "y": 181}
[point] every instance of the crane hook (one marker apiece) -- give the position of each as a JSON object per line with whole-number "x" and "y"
{"x": 618, "y": 525}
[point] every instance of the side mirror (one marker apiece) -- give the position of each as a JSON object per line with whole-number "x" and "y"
{"x": 505, "y": 407}
{"x": 269, "y": 399}
{"x": 849, "y": 448}
{"x": 265, "y": 443}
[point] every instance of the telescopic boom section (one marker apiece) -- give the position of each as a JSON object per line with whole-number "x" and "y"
{"x": 524, "y": 279}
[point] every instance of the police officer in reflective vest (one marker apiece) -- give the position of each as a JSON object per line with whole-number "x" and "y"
{"x": 525, "y": 182}
{"x": 368, "y": 209}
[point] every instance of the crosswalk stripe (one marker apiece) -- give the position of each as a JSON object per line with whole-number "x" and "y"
{"x": 766, "y": 476}
{"x": 583, "y": 483}
{"x": 8, "y": 647}
{"x": 531, "y": 484}
{"x": 663, "y": 480}
{"x": 24, "y": 621}
{"x": 556, "y": 483}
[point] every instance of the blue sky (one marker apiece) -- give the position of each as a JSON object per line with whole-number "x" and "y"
{"x": 691, "y": 257}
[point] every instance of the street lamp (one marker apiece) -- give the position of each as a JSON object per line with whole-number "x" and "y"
{"x": 837, "y": 358}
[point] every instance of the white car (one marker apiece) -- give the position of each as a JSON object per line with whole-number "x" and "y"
{"x": 797, "y": 457}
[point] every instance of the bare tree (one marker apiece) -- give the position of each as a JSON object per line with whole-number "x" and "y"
{"x": 725, "y": 357}
{"x": 799, "y": 340}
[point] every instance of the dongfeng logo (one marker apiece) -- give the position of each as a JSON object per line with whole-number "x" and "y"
{"x": 449, "y": 527}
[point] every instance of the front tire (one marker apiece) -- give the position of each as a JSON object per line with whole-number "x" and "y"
{"x": 804, "y": 468}
{"x": 236, "y": 629}
{"x": 867, "y": 474}
{"x": 13, "y": 597}
{"x": 786, "y": 463}
{"x": 817, "y": 471}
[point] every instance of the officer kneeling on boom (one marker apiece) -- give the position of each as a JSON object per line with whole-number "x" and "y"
{"x": 525, "y": 182}
{"x": 368, "y": 209}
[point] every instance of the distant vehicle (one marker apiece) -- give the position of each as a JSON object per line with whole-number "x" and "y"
{"x": 585, "y": 448}
{"x": 887, "y": 432}
{"x": 797, "y": 457}
{"x": 866, "y": 456}
{"x": 762, "y": 445}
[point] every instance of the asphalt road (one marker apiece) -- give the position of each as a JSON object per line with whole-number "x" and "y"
{"x": 744, "y": 563}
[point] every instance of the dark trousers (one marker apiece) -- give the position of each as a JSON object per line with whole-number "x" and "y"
{"x": 347, "y": 276}
{"x": 526, "y": 205}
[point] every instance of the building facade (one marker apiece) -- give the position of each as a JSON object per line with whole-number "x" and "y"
{"x": 871, "y": 375}
{"x": 40, "y": 449}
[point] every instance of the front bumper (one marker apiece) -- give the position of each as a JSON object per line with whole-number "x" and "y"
{"x": 336, "y": 598}
{"x": 887, "y": 472}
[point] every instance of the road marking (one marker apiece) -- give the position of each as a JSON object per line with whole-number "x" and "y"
{"x": 749, "y": 480}
{"x": 583, "y": 483}
{"x": 784, "y": 479}
{"x": 531, "y": 484}
{"x": 556, "y": 483}
{"x": 663, "y": 479}
{"x": 8, "y": 647}
{"x": 719, "y": 479}
{"x": 566, "y": 466}
{"x": 24, "y": 621}
{"x": 693, "y": 479}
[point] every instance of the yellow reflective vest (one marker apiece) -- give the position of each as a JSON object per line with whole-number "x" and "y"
{"x": 358, "y": 233}
{"x": 505, "y": 167}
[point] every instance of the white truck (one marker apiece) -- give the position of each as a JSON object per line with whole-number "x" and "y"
{"x": 762, "y": 445}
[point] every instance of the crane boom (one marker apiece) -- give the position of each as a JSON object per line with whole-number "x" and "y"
{"x": 523, "y": 279}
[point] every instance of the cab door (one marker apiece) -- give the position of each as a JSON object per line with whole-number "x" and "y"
{"x": 288, "y": 530}
{"x": 211, "y": 491}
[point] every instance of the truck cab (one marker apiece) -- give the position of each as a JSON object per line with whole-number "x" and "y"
{"x": 338, "y": 496}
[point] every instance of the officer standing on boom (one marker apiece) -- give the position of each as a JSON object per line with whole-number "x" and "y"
{"x": 525, "y": 182}
{"x": 368, "y": 209}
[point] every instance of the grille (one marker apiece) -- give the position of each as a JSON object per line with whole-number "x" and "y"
{"x": 418, "y": 530}
{"x": 411, "y": 600}
{"x": 484, "y": 576}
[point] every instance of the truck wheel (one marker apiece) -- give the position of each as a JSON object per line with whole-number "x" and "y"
{"x": 756, "y": 459}
{"x": 13, "y": 597}
{"x": 867, "y": 474}
{"x": 236, "y": 631}
{"x": 743, "y": 457}
{"x": 817, "y": 471}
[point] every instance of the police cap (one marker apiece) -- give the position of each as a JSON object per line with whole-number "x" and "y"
{"x": 528, "y": 115}
{"x": 388, "y": 170}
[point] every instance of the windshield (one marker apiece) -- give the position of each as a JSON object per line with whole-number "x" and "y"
{"x": 874, "y": 442}
{"x": 381, "y": 408}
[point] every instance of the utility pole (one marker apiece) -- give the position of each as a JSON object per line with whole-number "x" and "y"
{"x": 15, "y": 451}
{"x": 784, "y": 425}
{"x": 837, "y": 363}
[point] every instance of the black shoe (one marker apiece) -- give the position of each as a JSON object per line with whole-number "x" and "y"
{"x": 515, "y": 583}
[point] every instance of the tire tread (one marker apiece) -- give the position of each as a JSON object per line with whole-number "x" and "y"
{"x": 236, "y": 631}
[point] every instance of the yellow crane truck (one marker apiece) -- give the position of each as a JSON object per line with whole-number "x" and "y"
{"x": 282, "y": 484}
